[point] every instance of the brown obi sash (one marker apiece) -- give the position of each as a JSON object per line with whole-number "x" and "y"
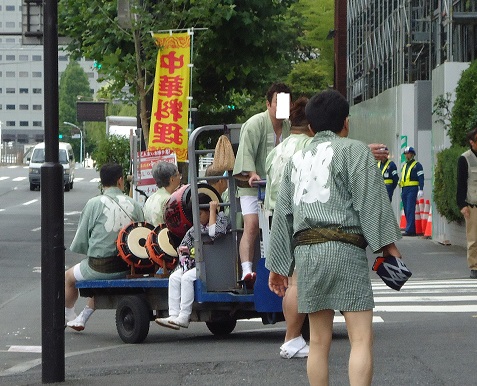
{"x": 111, "y": 264}
{"x": 322, "y": 235}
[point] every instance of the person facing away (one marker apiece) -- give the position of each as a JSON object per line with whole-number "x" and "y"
{"x": 294, "y": 345}
{"x": 258, "y": 136}
{"x": 181, "y": 281}
{"x": 100, "y": 222}
{"x": 412, "y": 185}
{"x": 466, "y": 197}
{"x": 389, "y": 172}
{"x": 332, "y": 203}
{"x": 167, "y": 179}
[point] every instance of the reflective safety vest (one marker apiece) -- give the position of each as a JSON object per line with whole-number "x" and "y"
{"x": 387, "y": 181}
{"x": 406, "y": 175}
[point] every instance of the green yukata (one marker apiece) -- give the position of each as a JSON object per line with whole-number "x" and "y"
{"x": 332, "y": 183}
{"x": 100, "y": 222}
{"x": 155, "y": 205}
{"x": 257, "y": 139}
{"x": 275, "y": 164}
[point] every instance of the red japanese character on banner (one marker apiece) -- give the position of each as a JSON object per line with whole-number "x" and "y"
{"x": 167, "y": 133}
{"x": 170, "y": 86}
{"x": 171, "y": 62}
{"x": 165, "y": 109}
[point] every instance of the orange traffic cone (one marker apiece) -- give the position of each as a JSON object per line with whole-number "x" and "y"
{"x": 425, "y": 215}
{"x": 402, "y": 224}
{"x": 428, "y": 231}
{"x": 417, "y": 219}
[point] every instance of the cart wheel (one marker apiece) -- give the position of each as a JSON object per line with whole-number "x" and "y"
{"x": 132, "y": 319}
{"x": 221, "y": 328}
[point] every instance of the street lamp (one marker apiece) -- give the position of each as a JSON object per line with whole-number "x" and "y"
{"x": 81, "y": 139}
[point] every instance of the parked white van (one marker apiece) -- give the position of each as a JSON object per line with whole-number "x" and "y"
{"x": 66, "y": 158}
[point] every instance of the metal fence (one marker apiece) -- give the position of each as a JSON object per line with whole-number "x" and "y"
{"x": 14, "y": 153}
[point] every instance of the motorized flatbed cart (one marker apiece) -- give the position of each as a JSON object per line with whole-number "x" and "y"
{"x": 220, "y": 300}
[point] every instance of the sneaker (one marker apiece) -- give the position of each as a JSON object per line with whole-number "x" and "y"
{"x": 473, "y": 274}
{"x": 295, "y": 348}
{"x": 165, "y": 322}
{"x": 78, "y": 323}
{"x": 70, "y": 316}
{"x": 180, "y": 322}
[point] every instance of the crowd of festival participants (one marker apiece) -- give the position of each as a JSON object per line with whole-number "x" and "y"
{"x": 329, "y": 197}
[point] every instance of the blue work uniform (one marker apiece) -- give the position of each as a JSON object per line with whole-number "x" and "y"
{"x": 412, "y": 180}
{"x": 389, "y": 172}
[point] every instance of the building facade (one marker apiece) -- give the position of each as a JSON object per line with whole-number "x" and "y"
{"x": 401, "y": 55}
{"x": 21, "y": 74}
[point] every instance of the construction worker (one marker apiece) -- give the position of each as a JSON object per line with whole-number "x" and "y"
{"x": 412, "y": 184}
{"x": 389, "y": 172}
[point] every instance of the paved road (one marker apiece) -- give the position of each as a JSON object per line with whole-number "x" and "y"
{"x": 424, "y": 334}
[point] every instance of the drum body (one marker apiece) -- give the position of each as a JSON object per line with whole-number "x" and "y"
{"x": 178, "y": 211}
{"x": 131, "y": 244}
{"x": 160, "y": 248}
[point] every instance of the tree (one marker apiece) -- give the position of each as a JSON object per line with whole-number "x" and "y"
{"x": 73, "y": 82}
{"x": 246, "y": 45}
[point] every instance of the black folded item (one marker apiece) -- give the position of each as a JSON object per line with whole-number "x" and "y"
{"x": 392, "y": 270}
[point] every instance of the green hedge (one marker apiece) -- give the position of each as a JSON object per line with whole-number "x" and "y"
{"x": 445, "y": 183}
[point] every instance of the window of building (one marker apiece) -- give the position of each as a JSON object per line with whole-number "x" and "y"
{"x": 36, "y": 58}
{"x": 36, "y": 90}
{"x": 23, "y": 107}
{"x": 23, "y": 58}
{"x": 24, "y": 123}
{"x": 10, "y": 123}
{"x": 10, "y": 90}
{"x": 9, "y": 8}
{"x": 62, "y": 58}
{"x": 1, "y": 90}
{"x": 23, "y": 91}
{"x": 10, "y": 107}
{"x": 37, "y": 123}
{"x": 36, "y": 74}
{"x": 10, "y": 74}
{"x": 23, "y": 74}
{"x": 10, "y": 40}
{"x": 10, "y": 57}
{"x": 36, "y": 107}
{"x": 10, "y": 24}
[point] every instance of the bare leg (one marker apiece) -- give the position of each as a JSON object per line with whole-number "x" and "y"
{"x": 71, "y": 292}
{"x": 321, "y": 331}
{"x": 293, "y": 319}
{"x": 360, "y": 332}
{"x": 250, "y": 232}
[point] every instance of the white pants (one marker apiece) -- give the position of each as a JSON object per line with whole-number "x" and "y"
{"x": 181, "y": 292}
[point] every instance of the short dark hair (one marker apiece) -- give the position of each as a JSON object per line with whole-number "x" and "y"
{"x": 471, "y": 135}
{"x": 110, "y": 173}
{"x": 327, "y": 110}
{"x": 203, "y": 199}
{"x": 277, "y": 88}
{"x": 162, "y": 173}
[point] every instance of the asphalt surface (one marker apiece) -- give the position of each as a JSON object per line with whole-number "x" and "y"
{"x": 418, "y": 350}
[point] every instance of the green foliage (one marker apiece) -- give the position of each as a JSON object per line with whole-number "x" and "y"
{"x": 308, "y": 78}
{"x": 464, "y": 111}
{"x": 445, "y": 183}
{"x": 442, "y": 109}
{"x": 113, "y": 148}
{"x": 247, "y": 45}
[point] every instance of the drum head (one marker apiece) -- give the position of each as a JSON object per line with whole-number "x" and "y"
{"x": 165, "y": 243}
{"x": 132, "y": 244}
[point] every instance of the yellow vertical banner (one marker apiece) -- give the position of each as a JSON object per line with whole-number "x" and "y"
{"x": 170, "y": 104}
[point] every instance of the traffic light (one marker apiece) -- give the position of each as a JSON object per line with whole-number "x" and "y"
{"x": 230, "y": 107}
{"x": 97, "y": 65}
{"x": 60, "y": 136}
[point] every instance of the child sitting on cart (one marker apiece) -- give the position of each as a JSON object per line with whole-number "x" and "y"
{"x": 181, "y": 281}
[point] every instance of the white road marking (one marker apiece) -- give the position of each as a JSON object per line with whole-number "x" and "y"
{"x": 19, "y": 179}
{"x": 4, "y": 178}
{"x": 30, "y": 202}
{"x": 36, "y": 349}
